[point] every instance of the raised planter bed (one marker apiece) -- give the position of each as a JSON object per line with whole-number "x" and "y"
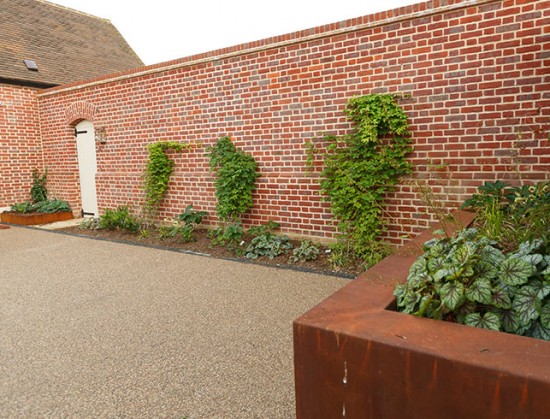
{"x": 35, "y": 218}
{"x": 355, "y": 357}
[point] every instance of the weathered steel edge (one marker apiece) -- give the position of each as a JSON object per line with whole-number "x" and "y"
{"x": 471, "y": 370}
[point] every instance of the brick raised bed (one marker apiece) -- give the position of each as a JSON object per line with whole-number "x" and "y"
{"x": 355, "y": 357}
{"x": 35, "y": 218}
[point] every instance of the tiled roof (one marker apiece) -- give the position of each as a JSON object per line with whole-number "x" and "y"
{"x": 65, "y": 44}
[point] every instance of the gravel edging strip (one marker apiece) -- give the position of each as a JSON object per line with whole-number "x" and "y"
{"x": 190, "y": 252}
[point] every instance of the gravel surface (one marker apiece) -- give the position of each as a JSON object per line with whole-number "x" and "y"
{"x": 99, "y": 329}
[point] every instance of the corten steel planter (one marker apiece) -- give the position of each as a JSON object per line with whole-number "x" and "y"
{"x": 355, "y": 357}
{"x": 35, "y": 218}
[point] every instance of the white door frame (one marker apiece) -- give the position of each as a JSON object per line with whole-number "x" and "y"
{"x": 87, "y": 166}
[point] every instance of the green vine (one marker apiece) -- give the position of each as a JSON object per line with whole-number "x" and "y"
{"x": 157, "y": 174}
{"x": 39, "y": 193}
{"x": 236, "y": 173}
{"x": 359, "y": 169}
{"x": 310, "y": 152}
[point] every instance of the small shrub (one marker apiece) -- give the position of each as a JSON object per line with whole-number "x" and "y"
{"x": 90, "y": 223}
{"x": 268, "y": 245}
{"x": 267, "y": 228}
{"x": 121, "y": 218}
{"x": 511, "y": 215}
{"x": 305, "y": 252}
{"x": 184, "y": 225}
{"x": 343, "y": 256}
{"x": 230, "y": 236}
{"x": 467, "y": 279}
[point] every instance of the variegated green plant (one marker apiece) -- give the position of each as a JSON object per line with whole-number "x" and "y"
{"x": 467, "y": 279}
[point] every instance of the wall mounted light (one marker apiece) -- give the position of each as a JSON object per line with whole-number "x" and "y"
{"x": 100, "y": 135}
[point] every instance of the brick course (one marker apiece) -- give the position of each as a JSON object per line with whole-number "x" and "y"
{"x": 20, "y": 143}
{"x": 474, "y": 75}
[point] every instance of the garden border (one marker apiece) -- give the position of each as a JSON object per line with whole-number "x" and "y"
{"x": 357, "y": 358}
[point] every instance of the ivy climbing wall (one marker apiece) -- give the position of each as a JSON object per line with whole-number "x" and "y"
{"x": 473, "y": 77}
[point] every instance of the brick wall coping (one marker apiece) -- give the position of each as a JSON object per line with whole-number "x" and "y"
{"x": 369, "y": 21}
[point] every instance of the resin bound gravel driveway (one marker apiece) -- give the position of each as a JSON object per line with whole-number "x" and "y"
{"x": 100, "y": 329}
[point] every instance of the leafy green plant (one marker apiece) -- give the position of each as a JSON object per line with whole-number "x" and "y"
{"x": 51, "y": 206}
{"x": 40, "y": 201}
{"x": 120, "y": 218}
{"x": 310, "y": 152}
{"x": 236, "y": 173}
{"x": 47, "y": 206}
{"x": 269, "y": 245}
{"x": 467, "y": 279}
{"x": 231, "y": 236}
{"x": 306, "y": 251}
{"x": 22, "y": 207}
{"x": 157, "y": 174}
{"x": 264, "y": 229}
{"x": 266, "y": 243}
{"x": 511, "y": 215}
{"x": 360, "y": 168}
{"x": 39, "y": 192}
{"x": 90, "y": 223}
{"x": 191, "y": 216}
{"x": 184, "y": 225}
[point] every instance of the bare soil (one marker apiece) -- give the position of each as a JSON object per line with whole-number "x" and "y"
{"x": 203, "y": 245}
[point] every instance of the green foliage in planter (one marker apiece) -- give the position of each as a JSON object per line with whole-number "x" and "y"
{"x": 359, "y": 169}
{"x": 40, "y": 201}
{"x": 306, "y": 251}
{"x": 236, "y": 173}
{"x": 39, "y": 192}
{"x": 511, "y": 215}
{"x": 468, "y": 280}
{"x": 22, "y": 207}
{"x": 47, "y": 206}
{"x": 157, "y": 174}
{"x": 120, "y": 218}
{"x": 184, "y": 225}
{"x": 51, "y": 206}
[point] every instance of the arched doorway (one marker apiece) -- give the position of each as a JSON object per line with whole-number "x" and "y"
{"x": 87, "y": 166}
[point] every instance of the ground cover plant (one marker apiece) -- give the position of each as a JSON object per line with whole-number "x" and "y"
{"x": 258, "y": 244}
{"x": 266, "y": 243}
{"x": 495, "y": 276}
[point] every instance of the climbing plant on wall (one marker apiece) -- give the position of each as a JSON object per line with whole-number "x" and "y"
{"x": 236, "y": 173}
{"x": 359, "y": 169}
{"x": 157, "y": 175}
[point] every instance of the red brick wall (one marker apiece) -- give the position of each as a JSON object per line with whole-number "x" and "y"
{"x": 479, "y": 107}
{"x": 20, "y": 145}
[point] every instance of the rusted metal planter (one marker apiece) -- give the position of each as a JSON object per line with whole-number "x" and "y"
{"x": 357, "y": 358}
{"x": 35, "y": 218}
